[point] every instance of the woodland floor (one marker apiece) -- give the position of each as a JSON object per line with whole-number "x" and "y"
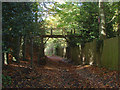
{"x": 59, "y": 74}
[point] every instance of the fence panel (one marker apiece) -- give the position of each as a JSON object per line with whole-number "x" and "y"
{"x": 110, "y": 54}
{"x": 110, "y": 57}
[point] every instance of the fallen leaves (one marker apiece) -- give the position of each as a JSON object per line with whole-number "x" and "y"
{"x": 60, "y": 75}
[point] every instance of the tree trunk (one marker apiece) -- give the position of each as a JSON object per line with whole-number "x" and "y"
{"x": 68, "y": 52}
{"x": 81, "y": 54}
{"x": 102, "y": 32}
{"x": 6, "y": 61}
{"x": 21, "y": 47}
{"x": 31, "y": 52}
{"x": 24, "y": 48}
{"x": 7, "y": 42}
{"x": 3, "y": 60}
{"x": 41, "y": 53}
{"x": 18, "y": 49}
{"x": 118, "y": 18}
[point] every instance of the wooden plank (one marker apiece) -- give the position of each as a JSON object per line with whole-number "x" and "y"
{"x": 58, "y": 36}
{"x": 56, "y": 28}
{"x": 53, "y": 28}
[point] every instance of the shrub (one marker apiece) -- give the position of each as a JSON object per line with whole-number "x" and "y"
{"x": 6, "y": 80}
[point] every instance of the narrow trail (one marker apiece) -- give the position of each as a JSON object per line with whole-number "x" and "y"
{"x": 59, "y": 74}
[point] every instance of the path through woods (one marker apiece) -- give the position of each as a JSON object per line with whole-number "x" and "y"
{"x": 59, "y": 74}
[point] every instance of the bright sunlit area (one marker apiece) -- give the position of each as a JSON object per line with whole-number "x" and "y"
{"x": 56, "y": 47}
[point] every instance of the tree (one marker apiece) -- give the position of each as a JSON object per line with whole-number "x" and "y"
{"x": 102, "y": 33}
{"x": 12, "y": 31}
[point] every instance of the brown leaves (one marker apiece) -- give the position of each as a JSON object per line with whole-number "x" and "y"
{"x": 59, "y": 75}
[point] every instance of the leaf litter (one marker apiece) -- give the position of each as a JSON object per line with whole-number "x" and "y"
{"x": 59, "y": 74}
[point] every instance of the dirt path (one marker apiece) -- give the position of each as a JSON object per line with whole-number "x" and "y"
{"x": 55, "y": 58}
{"x": 59, "y": 74}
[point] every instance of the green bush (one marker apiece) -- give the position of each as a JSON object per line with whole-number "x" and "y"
{"x": 6, "y": 80}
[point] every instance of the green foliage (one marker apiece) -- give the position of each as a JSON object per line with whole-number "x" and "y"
{"x": 25, "y": 18}
{"x": 17, "y": 18}
{"x": 111, "y": 18}
{"x": 54, "y": 43}
{"x": 6, "y": 80}
{"x": 88, "y": 20}
{"x": 84, "y": 18}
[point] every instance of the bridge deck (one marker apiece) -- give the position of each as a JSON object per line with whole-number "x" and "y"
{"x": 58, "y": 36}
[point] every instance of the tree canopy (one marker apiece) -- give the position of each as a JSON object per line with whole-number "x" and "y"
{"x": 73, "y": 18}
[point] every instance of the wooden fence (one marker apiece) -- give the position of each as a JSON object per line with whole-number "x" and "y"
{"x": 110, "y": 54}
{"x": 109, "y": 57}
